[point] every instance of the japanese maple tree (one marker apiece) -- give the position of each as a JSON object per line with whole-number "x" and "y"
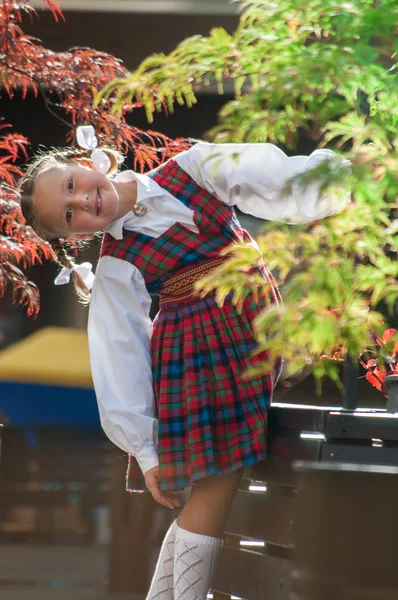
{"x": 68, "y": 82}
{"x": 323, "y": 72}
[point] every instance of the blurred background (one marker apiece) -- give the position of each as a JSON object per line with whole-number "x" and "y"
{"x": 56, "y": 465}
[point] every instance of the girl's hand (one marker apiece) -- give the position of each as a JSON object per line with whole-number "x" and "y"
{"x": 152, "y": 481}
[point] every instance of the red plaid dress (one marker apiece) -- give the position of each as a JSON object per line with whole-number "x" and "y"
{"x": 211, "y": 420}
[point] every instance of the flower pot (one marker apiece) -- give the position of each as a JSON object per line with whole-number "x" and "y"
{"x": 391, "y": 382}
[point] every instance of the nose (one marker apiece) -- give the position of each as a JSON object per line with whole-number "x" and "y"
{"x": 81, "y": 201}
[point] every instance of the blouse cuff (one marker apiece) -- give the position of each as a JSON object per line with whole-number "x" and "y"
{"x": 147, "y": 458}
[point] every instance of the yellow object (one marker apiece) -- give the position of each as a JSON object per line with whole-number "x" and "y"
{"x": 50, "y": 356}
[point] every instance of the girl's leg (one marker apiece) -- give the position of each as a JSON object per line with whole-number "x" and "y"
{"x": 207, "y": 508}
{"x": 162, "y": 582}
{"x": 198, "y": 541}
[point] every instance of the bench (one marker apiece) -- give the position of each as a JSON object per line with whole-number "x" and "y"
{"x": 256, "y": 560}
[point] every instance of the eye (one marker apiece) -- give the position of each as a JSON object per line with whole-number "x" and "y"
{"x": 70, "y": 185}
{"x": 69, "y": 215}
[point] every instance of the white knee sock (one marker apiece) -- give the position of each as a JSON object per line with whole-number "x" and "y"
{"x": 162, "y": 581}
{"x": 195, "y": 557}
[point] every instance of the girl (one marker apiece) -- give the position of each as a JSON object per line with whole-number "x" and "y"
{"x": 170, "y": 393}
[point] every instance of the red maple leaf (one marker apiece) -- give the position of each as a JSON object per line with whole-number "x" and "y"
{"x": 374, "y": 380}
{"x": 68, "y": 82}
{"x": 388, "y": 334}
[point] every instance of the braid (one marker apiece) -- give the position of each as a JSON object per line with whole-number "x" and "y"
{"x": 83, "y": 156}
{"x": 61, "y": 254}
{"x": 73, "y": 153}
{"x": 63, "y": 259}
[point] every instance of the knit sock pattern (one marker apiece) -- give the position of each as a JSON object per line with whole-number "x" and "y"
{"x": 195, "y": 557}
{"x": 162, "y": 581}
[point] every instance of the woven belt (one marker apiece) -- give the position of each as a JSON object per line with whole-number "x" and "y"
{"x": 182, "y": 286}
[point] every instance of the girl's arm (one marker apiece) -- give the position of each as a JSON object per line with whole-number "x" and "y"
{"x": 252, "y": 177}
{"x": 119, "y": 333}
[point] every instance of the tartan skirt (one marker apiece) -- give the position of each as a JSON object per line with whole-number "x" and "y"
{"x": 211, "y": 420}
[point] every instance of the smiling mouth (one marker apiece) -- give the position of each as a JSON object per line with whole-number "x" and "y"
{"x": 98, "y": 203}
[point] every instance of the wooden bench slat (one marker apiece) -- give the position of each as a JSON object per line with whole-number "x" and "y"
{"x": 296, "y": 418}
{"x": 288, "y": 449}
{"x": 272, "y": 488}
{"x": 278, "y": 473}
{"x": 252, "y": 576}
{"x": 362, "y": 426}
{"x": 256, "y": 545}
{"x": 352, "y": 453}
{"x": 282, "y": 452}
{"x": 262, "y": 516}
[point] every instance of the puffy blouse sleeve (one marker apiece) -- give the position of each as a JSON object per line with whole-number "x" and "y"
{"x": 119, "y": 334}
{"x": 253, "y": 177}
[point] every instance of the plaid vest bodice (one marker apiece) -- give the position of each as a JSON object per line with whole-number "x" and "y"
{"x": 178, "y": 247}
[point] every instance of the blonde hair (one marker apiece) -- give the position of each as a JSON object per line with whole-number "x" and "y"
{"x": 54, "y": 159}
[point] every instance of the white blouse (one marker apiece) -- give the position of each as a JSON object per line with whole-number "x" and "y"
{"x": 250, "y": 176}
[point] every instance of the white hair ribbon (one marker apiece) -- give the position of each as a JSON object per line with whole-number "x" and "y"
{"x": 86, "y": 138}
{"x": 84, "y": 270}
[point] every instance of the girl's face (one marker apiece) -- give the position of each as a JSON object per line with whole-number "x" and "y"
{"x": 73, "y": 200}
